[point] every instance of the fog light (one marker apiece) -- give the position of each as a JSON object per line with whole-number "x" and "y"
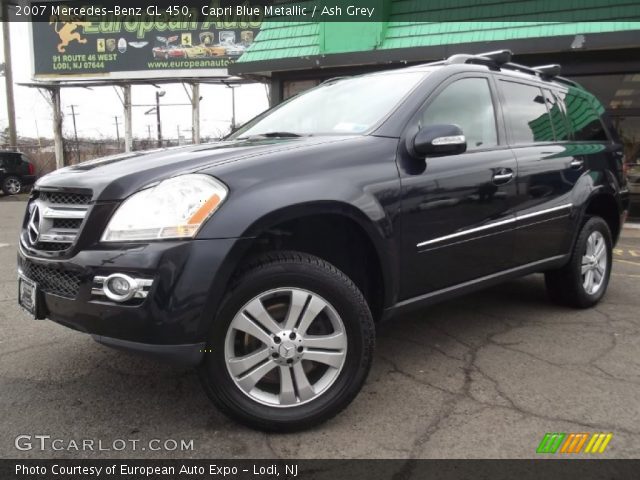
{"x": 120, "y": 287}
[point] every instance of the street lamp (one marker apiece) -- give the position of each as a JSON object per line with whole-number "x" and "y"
{"x": 159, "y": 93}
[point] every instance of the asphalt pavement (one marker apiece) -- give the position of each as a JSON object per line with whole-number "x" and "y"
{"x": 486, "y": 375}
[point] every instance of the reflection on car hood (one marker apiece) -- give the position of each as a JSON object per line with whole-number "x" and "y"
{"x": 116, "y": 177}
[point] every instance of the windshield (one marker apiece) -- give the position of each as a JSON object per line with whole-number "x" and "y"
{"x": 346, "y": 106}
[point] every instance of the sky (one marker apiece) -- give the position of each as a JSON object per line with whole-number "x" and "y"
{"x": 97, "y": 108}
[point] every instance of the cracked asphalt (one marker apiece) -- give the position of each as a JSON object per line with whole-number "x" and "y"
{"x": 483, "y": 376}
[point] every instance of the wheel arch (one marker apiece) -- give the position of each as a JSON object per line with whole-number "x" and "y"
{"x": 605, "y": 205}
{"x": 356, "y": 245}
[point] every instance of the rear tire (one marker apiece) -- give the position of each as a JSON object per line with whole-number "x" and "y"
{"x": 307, "y": 312}
{"x": 11, "y": 185}
{"x": 583, "y": 281}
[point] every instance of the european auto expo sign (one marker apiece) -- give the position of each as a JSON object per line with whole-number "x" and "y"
{"x": 136, "y": 45}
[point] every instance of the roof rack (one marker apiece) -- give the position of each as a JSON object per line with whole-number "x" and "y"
{"x": 493, "y": 59}
{"x": 501, "y": 59}
{"x": 549, "y": 71}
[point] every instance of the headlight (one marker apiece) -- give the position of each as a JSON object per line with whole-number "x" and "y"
{"x": 175, "y": 208}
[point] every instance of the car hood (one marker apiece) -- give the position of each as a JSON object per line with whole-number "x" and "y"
{"x": 116, "y": 177}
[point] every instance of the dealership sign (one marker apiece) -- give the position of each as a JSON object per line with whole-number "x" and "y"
{"x": 148, "y": 45}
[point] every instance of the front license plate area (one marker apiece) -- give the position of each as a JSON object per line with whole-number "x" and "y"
{"x": 28, "y": 296}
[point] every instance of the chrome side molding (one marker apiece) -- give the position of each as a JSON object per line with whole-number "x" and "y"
{"x": 515, "y": 219}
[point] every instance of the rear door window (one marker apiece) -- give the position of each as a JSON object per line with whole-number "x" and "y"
{"x": 528, "y": 120}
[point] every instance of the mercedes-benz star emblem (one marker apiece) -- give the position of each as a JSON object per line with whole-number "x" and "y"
{"x": 286, "y": 350}
{"x": 33, "y": 228}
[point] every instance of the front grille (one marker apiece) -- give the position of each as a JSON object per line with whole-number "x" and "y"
{"x": 63, "y": 198}
{"x": 51, "y": 280}
{"x": 51, "y": 246}
{"x": 54, "y": 220}
{"x": 68, "y": 223}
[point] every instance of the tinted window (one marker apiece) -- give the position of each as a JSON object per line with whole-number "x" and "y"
{"x": 583, "y": 113}
{"x": 10, "y": 161}
{"x": 466, "y": 103}
{"x": 558, "y": 119}
{"x": 528, "y": 120}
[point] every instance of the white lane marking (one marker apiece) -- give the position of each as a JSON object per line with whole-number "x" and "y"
{"x": 4, "y": 245}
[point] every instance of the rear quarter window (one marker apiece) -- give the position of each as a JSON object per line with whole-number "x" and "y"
{"x": 583, "y": 115}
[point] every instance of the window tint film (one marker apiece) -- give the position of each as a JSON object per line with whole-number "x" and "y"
{"x": 466, "y": 103}
{"x": 583, "y": 113}
{"x": 558, "y": 119}
{"x": 527, "y": 117}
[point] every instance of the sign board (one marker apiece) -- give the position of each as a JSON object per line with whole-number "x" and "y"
{"x": 132, "y": 47}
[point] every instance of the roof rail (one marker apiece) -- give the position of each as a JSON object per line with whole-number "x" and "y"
{"x": 501, "y": 59}
{"x": 492, "y": 59}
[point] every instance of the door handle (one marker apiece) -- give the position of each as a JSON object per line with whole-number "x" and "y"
{"x": 502, "y": 177}
{"x": 576, "y": 163}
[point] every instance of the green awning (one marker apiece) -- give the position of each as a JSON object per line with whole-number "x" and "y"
{"x": 461, "y": 22}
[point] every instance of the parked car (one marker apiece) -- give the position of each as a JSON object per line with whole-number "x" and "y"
{"x": 267, "y": 259}
{"x": 17, "y": 173}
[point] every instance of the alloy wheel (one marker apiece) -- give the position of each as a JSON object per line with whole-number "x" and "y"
{"x": 594, "y": 263}
{"x": 285, "y": 347}
{"x": 13, "y": 186}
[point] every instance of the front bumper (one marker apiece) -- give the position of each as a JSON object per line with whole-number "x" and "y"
{"x": 189, "y": 278}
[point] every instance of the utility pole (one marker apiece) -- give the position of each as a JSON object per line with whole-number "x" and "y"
{"x": 8, "y": 76}
{"x": 75, "y": 131}
{"x": 149, "y": 130}
{"x": 159, "y": 93}
{"x": 117, "y": 131}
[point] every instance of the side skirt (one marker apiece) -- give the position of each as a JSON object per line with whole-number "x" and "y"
{"x": 431, "y": 298}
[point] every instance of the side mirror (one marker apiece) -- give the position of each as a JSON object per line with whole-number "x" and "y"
{"x": 438, "y": 140}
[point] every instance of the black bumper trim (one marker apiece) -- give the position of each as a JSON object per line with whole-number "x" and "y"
{"x": 186, "y": 354}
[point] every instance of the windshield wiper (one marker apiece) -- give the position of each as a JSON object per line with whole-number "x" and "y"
{"x": 272, "y": 135}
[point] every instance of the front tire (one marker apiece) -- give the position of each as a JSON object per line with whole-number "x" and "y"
{"x": 583, "y": 281}
{"x": 291, "y": 346}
